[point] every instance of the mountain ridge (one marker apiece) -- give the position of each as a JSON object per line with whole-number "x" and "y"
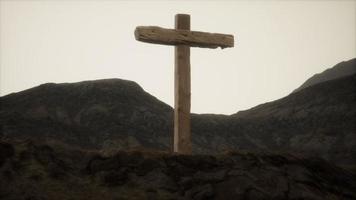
{"x": 341, "y": 69}
{"x": 110, "y": 139}
{"x": 114, "y": 114}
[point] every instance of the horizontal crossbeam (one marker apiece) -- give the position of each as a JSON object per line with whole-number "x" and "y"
{"x": 158, "y": 35}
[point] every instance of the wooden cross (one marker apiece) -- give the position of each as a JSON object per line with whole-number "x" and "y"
{"x": 182, "y": 38}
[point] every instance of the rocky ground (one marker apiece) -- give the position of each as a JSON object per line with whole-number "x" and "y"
{"x": 39, "y": 171}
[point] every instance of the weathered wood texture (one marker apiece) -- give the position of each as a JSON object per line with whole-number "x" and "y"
{"x": 182, "y": 135}
{"x": 158, "y": 35}
{"x": 182, "y": 38}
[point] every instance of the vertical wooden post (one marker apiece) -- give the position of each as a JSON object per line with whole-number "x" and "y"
{"x": 182, "y": 38}
{"x": 182, "y": 135}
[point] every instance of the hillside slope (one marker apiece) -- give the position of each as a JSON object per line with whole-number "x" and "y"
{"x": 318, "y": 120}
{"x": 342, "y": 69}
{"x": 91, "y": 114}
{"x": 114, "y": 114}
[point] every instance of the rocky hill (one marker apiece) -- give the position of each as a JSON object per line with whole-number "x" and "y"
{"x": 91, "y": 114}
{"x": 342, "y": 69}
{"x": 114, "y": 114}
{"x": 31, "y": 170}
{"x": 318, "y": 120}
{"x": 109, "y": 139}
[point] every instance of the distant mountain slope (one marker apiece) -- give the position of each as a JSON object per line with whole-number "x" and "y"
{"x": 114, "y": 114}
{"x": 342, "y": 69}
{"x": 91, "y": 114}
{"x": 318, "y": 120}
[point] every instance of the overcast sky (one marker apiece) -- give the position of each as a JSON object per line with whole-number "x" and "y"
{"x": 278, "y": 45}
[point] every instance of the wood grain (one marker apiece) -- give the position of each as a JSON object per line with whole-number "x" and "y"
{"x": 182, "y": 134}
{"x": 158, "y": 35}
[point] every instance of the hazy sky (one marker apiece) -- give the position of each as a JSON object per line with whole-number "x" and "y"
{"x": 278, "y": 45}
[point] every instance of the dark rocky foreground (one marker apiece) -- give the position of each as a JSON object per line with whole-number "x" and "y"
{"x": 37, "y": 171}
